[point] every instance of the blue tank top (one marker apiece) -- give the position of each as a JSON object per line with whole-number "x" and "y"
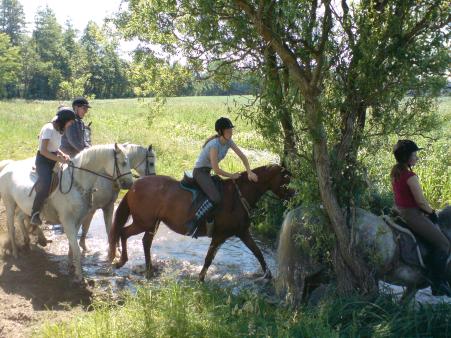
{"x": 204, "y": 157}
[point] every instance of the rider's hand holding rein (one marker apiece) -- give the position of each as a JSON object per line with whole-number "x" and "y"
{"x": 226, "y": 136}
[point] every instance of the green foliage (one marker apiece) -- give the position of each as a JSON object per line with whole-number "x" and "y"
{"x": 186, "y": 309}
{"x": 9, "y": 64}
{"x": 12, "y": 20}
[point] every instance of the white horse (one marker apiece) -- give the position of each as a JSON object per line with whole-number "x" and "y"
{"x": 70, "y": 203}
{"x": 105, "y": 192}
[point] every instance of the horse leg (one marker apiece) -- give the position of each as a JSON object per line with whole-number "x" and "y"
{"x": 84, "y": 229}
{"x": 250, "y": 243}
{"x": 128, "y": 231}
{"x": 10, "y": 213}
{"x": 147, "y": 243}
{"x": 108, "y": 218}
{"x": 214, "y": 246}
{"x": 408, "y": 294}
{"x": 25, "y": 234}
{"x": 70, "y": 229}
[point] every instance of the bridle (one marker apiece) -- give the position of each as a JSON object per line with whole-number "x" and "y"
{"x": 116, "y": 173}
{"x": 147, "y": 158}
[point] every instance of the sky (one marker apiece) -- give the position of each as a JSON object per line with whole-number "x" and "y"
{"x": 79, "y": 12}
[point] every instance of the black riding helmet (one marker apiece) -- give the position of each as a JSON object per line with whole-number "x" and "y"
{"x": 403, "y": 149}
{"x": 223, "y": 123}
{"x": 64, "y": 115}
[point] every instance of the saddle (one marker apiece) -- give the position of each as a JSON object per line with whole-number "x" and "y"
{"x": 412, "y": 249}
{"x": 198, "y": 196}
{"x": 55, "y": 178}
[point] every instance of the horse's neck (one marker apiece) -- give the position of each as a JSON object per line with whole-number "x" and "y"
{"x": 252, "y": 193}
{"x": 93, "y": 160}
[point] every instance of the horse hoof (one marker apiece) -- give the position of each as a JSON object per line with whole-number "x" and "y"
{"x": 118, "y": 264}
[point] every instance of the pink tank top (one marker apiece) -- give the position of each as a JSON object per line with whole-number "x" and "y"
{"x": 403, "y": 195}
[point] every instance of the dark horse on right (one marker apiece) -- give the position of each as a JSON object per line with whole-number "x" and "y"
{"x": 155, "y": 199}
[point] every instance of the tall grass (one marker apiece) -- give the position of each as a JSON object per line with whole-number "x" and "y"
{"x": 182, "y": 309}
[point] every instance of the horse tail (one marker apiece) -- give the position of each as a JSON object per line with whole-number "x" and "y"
{"x": 120, "y": 218}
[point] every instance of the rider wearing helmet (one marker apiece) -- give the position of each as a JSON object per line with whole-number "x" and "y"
{"x": 75, "y": 139}
{"x": 47, "y": 155}
{"x": 213, "y": 151}
{"x": 418, "y": 214}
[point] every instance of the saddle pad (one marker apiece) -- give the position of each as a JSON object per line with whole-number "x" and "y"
{"x": 412, "y": 249}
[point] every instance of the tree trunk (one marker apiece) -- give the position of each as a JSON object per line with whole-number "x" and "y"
{"x": 278, "y": 98}
{"x": 352, "y": 272}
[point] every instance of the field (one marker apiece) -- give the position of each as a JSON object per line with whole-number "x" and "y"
{"x": 189, "y": 309}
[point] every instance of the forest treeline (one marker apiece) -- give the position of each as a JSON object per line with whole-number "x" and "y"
{"x": 56, "y": 61}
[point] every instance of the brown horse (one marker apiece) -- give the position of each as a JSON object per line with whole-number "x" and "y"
{"x": 160, "y": 198}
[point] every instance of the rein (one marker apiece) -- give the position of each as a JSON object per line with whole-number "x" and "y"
{"x": 110, "y": 178}
{"x": 243, "y": 200}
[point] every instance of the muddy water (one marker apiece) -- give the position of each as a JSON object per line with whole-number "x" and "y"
{"x": 176, "y": 256}
{"x": 173, "y": 255}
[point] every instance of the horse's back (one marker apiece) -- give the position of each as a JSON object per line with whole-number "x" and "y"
{"x": 159, "y": 196}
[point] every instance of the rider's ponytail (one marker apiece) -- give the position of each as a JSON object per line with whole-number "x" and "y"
{"x": 209, "y": 139}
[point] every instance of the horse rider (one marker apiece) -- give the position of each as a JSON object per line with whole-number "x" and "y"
{"x": 75, "y": 138}
{"x": 213, "y": 151}
{"x": 418, "y": 214}
{"x": 47, "y": 156}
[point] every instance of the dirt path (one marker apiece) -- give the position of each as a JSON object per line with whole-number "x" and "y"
{"x": 33, "y": 290}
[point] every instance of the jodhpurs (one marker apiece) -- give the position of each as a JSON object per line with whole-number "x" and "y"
{"x": 203, "y": 179}
{"x": 423, "y": 227}
{"x": 44, "y": 168}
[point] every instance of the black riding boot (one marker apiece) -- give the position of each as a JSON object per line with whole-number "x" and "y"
{"x": 437, "y": 274}
{"x": 37, "y": 206}
{"x": 199, "y": 216}
{"x": 41, "y": 196}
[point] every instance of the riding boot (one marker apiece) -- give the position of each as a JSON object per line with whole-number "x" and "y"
{"x": 37, "y": 207}
{"x": 437, "y": 274}
{"x": 199, "y": 216}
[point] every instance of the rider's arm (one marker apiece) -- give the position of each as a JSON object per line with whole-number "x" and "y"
{"x": 75, "y": 136}
{"x": 241, "y": 156}
{"x": 215, "y": 165}
{"x": 251, "y": 175}
{"x": 43, "y": 150}
{"x": 415, "y": 187}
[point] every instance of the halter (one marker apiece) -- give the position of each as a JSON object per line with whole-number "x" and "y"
{"x": 243, "y": 200}
{"x": 113, "y": 178}
{"x": 149, "y": 155}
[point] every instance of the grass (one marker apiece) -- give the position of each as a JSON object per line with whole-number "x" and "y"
{"x": 183, "y": 309}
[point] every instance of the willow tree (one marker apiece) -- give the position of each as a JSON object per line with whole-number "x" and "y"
{"x": 328, "y": 70}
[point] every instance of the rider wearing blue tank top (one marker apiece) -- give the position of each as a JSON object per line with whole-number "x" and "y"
{"x": 214, "y": 151}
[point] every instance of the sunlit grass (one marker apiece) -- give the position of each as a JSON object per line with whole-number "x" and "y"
{"x": 186, "y": 309}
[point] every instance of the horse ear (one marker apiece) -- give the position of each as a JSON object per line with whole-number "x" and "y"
{"x": 150, "y": 148}
{"x": 116, "y": 147}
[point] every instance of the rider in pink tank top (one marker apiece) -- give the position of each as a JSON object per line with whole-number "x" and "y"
{"x": 403, "y": 195}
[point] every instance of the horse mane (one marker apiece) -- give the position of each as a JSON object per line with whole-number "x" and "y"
{"x": 92, "y": 154}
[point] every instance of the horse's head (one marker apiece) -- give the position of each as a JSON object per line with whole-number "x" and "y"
{"x": 141, "y": 159}
{"x": 121, "y": 171}
{"x": 279, "y": 178}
